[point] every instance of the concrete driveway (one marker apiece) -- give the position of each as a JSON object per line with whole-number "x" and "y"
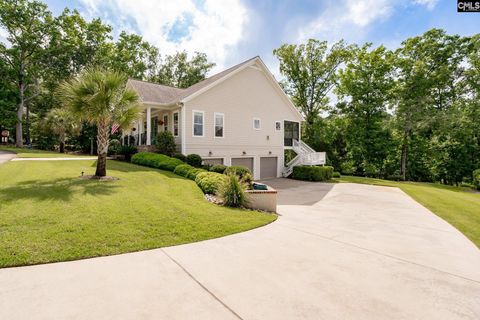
{"x": 362, "y": 252}
{"x": 6, "y": 156}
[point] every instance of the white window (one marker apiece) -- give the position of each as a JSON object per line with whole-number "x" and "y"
{"x": 278, "y": 125}
{"x": 219, "y": 124}
{"x": 256, "y": 123}
{"x": 198, "y": 123}
{"x": 175, "y": 124}
{"x": 165, "y": 122}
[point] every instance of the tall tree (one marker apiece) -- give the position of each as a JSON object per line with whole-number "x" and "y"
{"x": 101, "y": 97}
{"x": 179, "y": 71}
{"x": 310, "y": 75}
{"x": 28, "y": 24}
{"x": 61, "y": 122}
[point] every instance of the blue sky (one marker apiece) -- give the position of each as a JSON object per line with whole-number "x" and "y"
{"x": 230, "y": 31}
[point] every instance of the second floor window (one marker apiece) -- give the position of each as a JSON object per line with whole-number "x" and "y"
{"x": 165, "y": 122}
{"x": 175, "y": 124}
{"x": 198, "y": 124}
{"x": 219, "y": 124}
{"x": 256, "y": 123}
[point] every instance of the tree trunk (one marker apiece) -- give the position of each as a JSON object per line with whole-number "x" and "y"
{"x": 102, "y": 148}
{"x": 19, "y": 127}
{"x": 62, "y": 143}
{"x": 27, "y": 124}
{"x": 403, "y": 161}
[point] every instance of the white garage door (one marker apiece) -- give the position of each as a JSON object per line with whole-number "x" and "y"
{"x": 246, "y": 162}
{"x": 213, "y": 161}
{"x": 268, "y": 167}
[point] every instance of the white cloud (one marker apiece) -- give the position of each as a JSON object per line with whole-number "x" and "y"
{"x": 430, "y": 4}
{"x": 341, "y": 19}
{"x": 213, "y": 27}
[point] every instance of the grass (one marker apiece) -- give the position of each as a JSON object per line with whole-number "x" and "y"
{"x": 48, "y": 214}
{"x": 35, "y": 153}
{"x": 457, "y": 205}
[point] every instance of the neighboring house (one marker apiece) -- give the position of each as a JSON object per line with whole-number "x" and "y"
{"x": 239, "y": 116}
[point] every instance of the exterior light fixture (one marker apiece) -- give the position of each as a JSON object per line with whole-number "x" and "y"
{"x": 244, "y": 153}
{"x": 209, "y": 153}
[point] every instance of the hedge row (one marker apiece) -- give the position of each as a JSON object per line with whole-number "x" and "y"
{"x": 156, "y": 160}
{"x": 312, "y": 173}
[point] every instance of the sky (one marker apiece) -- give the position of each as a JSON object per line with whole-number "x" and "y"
{"x": 231, "y": 31}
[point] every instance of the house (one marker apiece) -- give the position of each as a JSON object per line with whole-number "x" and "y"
{"x": 240, "y": 116}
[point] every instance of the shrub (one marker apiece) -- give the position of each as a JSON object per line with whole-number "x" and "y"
{"x": 233, "y": 192}
{"x": 218, "y": 168}
{"x": 370, "y": 170}
{"x": 194, "y": 160}
{"x": 166, "y": 143}
{"x": 192, "y": 173}
{"x": 207, "y": 166}
{"x": 336, "y": 174}
{"x": 183, "y": 169}
{"x": 210, "y": 182}
{"x": 239, "y": 171}
{"x": 312, "y": 173}
{"x": 114, "y": 147}
{"x": 179, "y": 156}
{"x": 247, "y": 179}
{"x": 127, "y": 151}
{"x": 348, "y": 167}
{"x": 154, "y": 160}
{"x": 476, "y": 179}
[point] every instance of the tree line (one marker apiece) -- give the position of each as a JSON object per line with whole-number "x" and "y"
{"x": 407, "y": 114}
{"x": 42, "y": 51}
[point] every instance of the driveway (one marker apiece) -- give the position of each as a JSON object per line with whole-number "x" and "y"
{"x": 362, "y": 252}
{"x": 6, "y": 156}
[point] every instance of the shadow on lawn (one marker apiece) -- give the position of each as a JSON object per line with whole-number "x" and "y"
{"x": 56, "y": 189}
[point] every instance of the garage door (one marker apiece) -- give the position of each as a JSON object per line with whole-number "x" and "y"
{"x": 268, "y": 167}
{"x": 213, "y": 161}
{"x": 246, "y": 162}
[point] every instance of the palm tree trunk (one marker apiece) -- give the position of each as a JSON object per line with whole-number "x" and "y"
{"x": 102, "y": 148}
{"x": 62, "y": 142}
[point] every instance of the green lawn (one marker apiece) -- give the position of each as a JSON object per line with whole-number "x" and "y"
{"x": 458, "y": 206}
{"x": 35, "y": 153}
{"x": 48, "y": 214}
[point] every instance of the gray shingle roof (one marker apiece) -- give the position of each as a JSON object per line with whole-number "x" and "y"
{"x": 152, "y": 92}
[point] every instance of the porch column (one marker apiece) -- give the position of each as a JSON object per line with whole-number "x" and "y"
{"x": 149, "y": 126}
{"x": 138, "y": 131}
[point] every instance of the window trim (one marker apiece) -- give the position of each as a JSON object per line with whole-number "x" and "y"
{"x": 215, "y": 114}
{"x": 193, "y": 123}
{"x": 165, "y": 123}
{"x": 173, "y": 123}
{"x": 280, "y": 125}
{"x": 259, "y": 123}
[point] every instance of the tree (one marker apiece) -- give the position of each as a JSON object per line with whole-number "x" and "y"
{"x": 178, "y": 71}
{"x": 101, "y": 98}
{"x": 61, "y": 122}
{"x": 365, "y": 84}
{"x": 28, "y": 25}
{"x": 310, "y": 74}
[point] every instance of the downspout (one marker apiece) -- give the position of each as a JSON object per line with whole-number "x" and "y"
{"x": 183, "y": 133}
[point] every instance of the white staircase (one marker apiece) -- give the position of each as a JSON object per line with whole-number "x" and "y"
{"x": 306, "y": 156}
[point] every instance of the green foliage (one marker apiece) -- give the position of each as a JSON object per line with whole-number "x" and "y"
{"x": 183, "y": 170}
{"x": 239, "y": 171}
{"x": 192, "y": 173}
{"x": 128, "y": 151}
{"x": 194, "y": 160}
{"x": 156, "y": 160}
{"x": 312, "y": 173}
{"x": 210, "y": 182}
{"x": 476, "y": 179}
{"x": 233, "y": 192}
{"x": 336, "y": 174}
{"x": 180, "y": 156}
{"x": 218, "y": 168}
{"x": 166, "y": 143}
{"x": 289, "y": 155}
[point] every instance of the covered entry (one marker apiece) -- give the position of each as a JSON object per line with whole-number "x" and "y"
{"x": 246, "y": 162}
{"x": 268, "y": 167}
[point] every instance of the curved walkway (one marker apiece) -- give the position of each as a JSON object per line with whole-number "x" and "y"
{"x": 362, "y": 252}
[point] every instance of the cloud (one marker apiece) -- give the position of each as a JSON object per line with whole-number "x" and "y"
{"x": 213, "y": 27}
{"x": 430, "y": 4}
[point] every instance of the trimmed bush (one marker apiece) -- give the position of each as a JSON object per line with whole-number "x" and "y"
{"x": 166, "y": 143}
{"x": 233, "y": 192}
{"x": 476, "y": 179}
{"x": 239, "y": 171}
{"x": 210, "y": 182}
{"x": 218, "y": 168}
{"x": 180, "y": 157}
{"x": 127, "y": 151}
{"x": 194, "y": 160}
{"x": 155, "y": 160}
{"x": 312, "y": 173}
{"x": 183, "y": 170}
{"x": 192, "y": 173}
{"x": 336, "y": 174}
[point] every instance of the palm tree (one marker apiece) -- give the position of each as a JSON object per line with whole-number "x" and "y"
{"x": 101, "y": 97}
{"x": 60, "y": 121}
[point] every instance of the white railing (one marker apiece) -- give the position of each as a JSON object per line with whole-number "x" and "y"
{"x": 305, "y": 156}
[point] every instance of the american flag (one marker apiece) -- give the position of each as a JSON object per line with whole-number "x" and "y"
{"x": 115, "y": 127}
